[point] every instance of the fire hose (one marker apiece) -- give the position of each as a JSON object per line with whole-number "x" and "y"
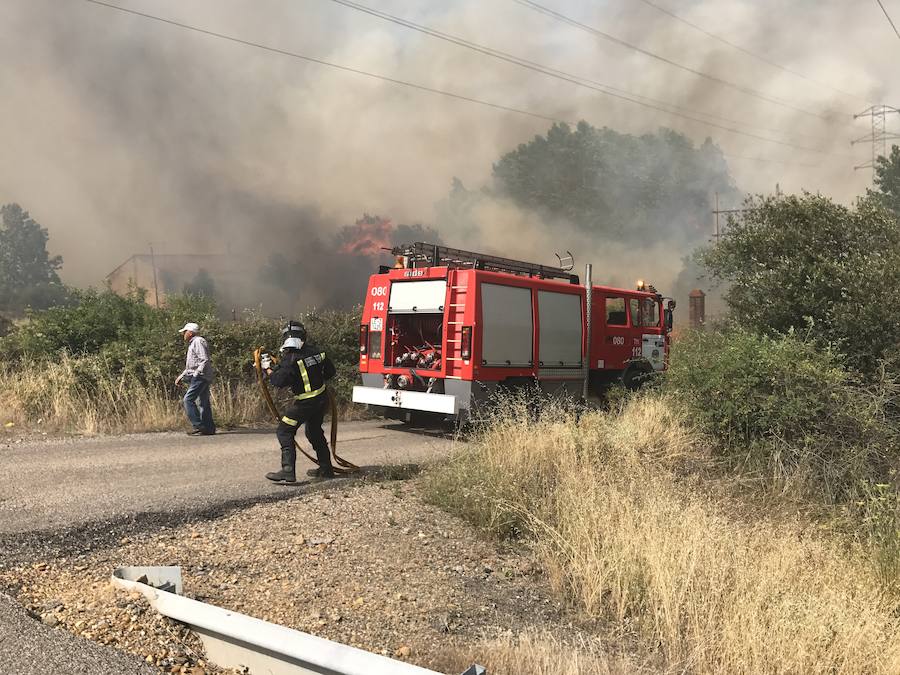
{"x": 342, "y": 465}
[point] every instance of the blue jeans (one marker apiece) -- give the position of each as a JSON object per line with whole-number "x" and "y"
{"x": 197, "y": 406}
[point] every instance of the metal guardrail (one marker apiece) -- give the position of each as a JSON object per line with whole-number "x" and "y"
{"x": 234, "y": 640}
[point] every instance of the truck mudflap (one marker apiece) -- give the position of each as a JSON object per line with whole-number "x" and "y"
{"x": 407, "y": 400}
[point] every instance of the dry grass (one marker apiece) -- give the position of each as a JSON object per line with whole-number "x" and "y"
{"x": 630, "y": 537}
{"x": 87, "y": 396}
{"x": 532, "y": 654}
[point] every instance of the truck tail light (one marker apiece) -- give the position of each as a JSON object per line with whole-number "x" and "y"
{"x": 466, "y": 342}
{"x": 374, "y": 344}
{"x": 363, "y": 340}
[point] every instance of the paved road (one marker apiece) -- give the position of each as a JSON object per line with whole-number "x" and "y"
{"x": 63, "y": 495}
{"x": 63, "y": 483}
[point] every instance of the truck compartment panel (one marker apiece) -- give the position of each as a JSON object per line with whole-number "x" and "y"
{"x": 507, "y": 325}
{"x": 561, "y": 319}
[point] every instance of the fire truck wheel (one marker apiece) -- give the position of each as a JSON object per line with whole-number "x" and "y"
{"x": 636, "y": 376}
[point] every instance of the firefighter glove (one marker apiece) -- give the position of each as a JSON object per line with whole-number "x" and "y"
{"x": 265, "y": 361}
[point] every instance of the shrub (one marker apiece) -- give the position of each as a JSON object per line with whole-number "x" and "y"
{"x": 876, "y": 515}
{"x": 789, "y": 260}
{"x": 781, "y": 407}
{"x": 94, "y": 320}
{"x": 137, "y": 344}
{"x": 87, "y": 395}
{"x": 532, "y": 653}
{"x": 631, "y": 540}
{"x": 338, "y": 332}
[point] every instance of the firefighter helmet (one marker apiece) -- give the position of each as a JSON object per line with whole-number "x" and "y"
{"x": 292, "y": 343}
{"x": 294, "y": 329}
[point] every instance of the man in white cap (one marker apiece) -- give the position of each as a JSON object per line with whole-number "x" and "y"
{"x": 198, "y": 374}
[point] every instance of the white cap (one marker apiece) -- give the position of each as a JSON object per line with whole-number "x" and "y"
{"x": 190, "y": 326}
{"x": 292, "y": 343}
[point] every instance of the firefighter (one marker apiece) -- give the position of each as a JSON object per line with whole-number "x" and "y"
{"x": 305, "y": 369}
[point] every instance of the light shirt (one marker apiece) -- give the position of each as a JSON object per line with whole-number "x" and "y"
{"x": 198, "y": 362}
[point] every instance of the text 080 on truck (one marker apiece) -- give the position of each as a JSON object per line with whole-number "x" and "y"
{"x": 444, "y": 328}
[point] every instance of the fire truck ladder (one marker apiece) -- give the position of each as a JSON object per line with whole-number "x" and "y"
{"x": 421, "y": 254}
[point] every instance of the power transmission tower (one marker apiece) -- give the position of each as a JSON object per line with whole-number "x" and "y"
{"x": 879, "y": 136}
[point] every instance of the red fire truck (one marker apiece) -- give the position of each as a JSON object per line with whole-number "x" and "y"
{"x": 445, "y": 327}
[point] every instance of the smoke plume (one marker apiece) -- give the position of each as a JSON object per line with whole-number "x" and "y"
{"x": 119, "y": 131}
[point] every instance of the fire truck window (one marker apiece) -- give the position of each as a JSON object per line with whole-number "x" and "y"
{"x": 635, "y": 306}
{"x": 650, "y": 313}
{"x": 615, "y": 312}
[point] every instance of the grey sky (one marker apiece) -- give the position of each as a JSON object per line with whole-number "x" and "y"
{"x": 117, "y": 131}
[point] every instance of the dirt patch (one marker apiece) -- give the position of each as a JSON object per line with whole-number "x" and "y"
{"x": 370, "y": 565}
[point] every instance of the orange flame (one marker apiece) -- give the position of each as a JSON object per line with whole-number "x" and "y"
{"x": 368, "y": 236}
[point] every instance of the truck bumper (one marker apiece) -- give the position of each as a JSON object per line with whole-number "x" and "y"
{"x": 407, "y": 400}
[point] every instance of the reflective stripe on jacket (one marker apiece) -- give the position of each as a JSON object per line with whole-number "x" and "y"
{"x": 305, "y": 371}
{"x": 304, "y": 365}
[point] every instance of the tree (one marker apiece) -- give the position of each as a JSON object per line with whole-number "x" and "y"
{"x": 628, "y": 187}
{"x": 887, "y": 180}
{"x": 457, "y": 213}
{"x": 28, "y": 275}
{"x": 201, "y": 285}
{"x": 801, "y": 261}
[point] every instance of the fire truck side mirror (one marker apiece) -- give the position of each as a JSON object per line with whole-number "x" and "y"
{"x": 670, "y": 319}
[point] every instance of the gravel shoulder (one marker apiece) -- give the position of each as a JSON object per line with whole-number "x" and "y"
{"x": 28, "y": 647}
{"x": 368, "y": 564}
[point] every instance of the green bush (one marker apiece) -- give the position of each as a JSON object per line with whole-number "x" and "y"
{"x": 93, "y": 320}
{"x": 338, "y": 332}
{"x": 791, "y": 260}
{"x": 782, "y": 407}
{"x": 142, "y": 342}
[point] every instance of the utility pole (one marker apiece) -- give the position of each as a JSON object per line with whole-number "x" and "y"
{"x": 719, "y": 233}
{"x": 879, "y": 136}
{"x": 155, "y": 285}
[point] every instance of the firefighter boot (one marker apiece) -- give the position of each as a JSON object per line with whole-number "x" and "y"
{"x": 287, "y": 473}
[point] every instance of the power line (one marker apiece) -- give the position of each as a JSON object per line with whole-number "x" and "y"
{"x": 578, "y": 80}
{"x": 769, "y": 160}
{"x": 606, "y": 36}
{"x": 310, "y": 59}
{"x": 390, "y": 80}
{"x": 600, "y": 87}
{"x": 746, "y": 51}
{"x": 888, "y": 17}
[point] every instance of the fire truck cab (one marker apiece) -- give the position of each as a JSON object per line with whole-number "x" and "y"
{"x": 445, "y": 327}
